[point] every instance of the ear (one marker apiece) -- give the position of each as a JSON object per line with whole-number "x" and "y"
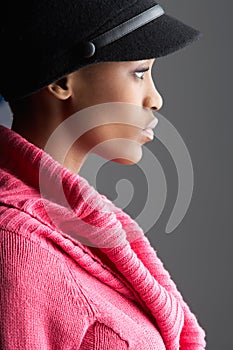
{"x": 61, "y": 88}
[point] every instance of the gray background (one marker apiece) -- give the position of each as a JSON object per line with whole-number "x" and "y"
{"x": 196, "y": 87}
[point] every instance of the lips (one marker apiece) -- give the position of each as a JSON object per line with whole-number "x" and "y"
{"x": 152, "y": 124}
{"x": 148, "y": 133}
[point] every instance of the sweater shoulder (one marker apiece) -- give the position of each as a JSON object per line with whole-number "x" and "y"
{"x": 36, "y": 282}
{"x": 32, "y": 260}
{"x": 41, "y": 305}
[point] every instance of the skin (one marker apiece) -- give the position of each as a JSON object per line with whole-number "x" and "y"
{"x": 38, "y": 117}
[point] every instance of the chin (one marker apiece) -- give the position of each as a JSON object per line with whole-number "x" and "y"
{"x": 124, "y": 153}
{"x": 123, "y": 161}
{"x": 129, "y": 158}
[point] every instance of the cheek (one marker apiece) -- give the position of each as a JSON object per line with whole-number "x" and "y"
{"x": 97, "y": 135}
{"x": 114, "y": 89}
{"x": 130, "y": 132}
{"x": 107, "y": 87}
{"x": 116, "y": 131}
{"x": 113, "y": 134}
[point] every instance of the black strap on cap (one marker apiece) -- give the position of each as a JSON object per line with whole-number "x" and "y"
{"x": 88, "y": 49}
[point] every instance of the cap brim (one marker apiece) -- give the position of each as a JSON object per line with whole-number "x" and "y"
{"x": 158, "y": 38}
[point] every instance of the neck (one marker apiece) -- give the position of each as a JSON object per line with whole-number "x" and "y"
{"x": 37, "y": 129}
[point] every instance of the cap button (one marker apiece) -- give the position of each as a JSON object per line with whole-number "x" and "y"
{"x": 88, "y": 49}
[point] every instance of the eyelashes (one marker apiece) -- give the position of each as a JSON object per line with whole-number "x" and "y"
{"x": 141, "y": 71}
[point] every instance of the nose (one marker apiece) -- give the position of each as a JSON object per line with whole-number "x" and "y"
{"x": 153, "y": 99}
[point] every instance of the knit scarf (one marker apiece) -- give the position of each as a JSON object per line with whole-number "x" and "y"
{"x": 69, "y": 204}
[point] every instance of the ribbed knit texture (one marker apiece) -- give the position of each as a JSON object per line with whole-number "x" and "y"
{"x": 32, "y": 182}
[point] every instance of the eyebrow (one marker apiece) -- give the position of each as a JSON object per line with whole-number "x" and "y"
{"x": 145, "y": 61}
{"x": 148, "y": 61}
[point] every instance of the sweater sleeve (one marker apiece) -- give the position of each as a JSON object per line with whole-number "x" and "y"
{"x": 40, "y": 307}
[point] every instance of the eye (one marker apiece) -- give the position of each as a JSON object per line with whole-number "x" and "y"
{"x": 141, "y": 72}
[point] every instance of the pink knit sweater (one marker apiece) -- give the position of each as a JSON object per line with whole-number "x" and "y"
{"x": 56, "y": 293}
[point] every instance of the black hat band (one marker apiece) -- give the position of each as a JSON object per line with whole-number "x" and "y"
{"x": 88, "y": 49}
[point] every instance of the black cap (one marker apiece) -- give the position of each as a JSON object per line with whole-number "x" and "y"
{"x": 43, "y": 40}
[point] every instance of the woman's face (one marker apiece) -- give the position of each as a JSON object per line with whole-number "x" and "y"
{"x": 127, "y": 82}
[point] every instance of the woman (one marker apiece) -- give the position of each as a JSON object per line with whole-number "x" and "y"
{"x": 76, "y": 271}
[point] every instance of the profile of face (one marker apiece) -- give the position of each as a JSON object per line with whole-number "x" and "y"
{"x": 128, "y": 82}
